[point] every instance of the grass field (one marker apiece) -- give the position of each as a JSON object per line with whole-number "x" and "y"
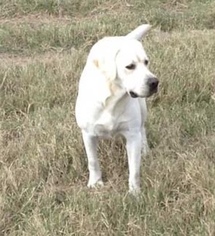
{"x": 43, "y": 168}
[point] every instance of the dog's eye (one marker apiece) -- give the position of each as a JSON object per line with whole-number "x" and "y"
{"x": 131, "y": 67}
{"x": 146, "y": 62}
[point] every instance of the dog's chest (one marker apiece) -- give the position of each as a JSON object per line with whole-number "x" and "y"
{"x": 108, "y": 125}
{"x": 109, "y": 120}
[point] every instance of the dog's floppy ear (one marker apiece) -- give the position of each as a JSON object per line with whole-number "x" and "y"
{"x": 104, "y": 57}
{"x": 139, "y": 32}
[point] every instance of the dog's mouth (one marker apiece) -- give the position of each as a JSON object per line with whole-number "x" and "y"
{"x": 151, "y": 92}
{"x": 133, "y": 95}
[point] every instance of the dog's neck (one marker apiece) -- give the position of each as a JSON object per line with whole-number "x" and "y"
{"x": 115, "y": 94}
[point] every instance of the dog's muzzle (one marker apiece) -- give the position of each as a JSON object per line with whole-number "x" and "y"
{"x": 152, "y": 88}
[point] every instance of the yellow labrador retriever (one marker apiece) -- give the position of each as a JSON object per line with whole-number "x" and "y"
{"x": 111, "y": 100}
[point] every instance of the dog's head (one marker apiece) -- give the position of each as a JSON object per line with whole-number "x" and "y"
{"x": 123, "y": 60}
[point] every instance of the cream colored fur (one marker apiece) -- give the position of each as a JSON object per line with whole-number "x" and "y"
{"x": 111, "y": 100}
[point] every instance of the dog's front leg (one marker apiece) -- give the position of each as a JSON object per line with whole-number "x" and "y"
{"x": 133, "y": 146}
{"x": 90, "y": 143}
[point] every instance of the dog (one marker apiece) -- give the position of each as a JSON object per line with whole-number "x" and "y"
{"x": 113, "y": 87}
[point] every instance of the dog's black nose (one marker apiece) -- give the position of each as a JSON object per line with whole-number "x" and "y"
{"x": 153, "y": 83}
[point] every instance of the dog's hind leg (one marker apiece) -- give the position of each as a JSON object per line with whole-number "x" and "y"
{"x": 145, "y": 147}
{"x": 143, "y": 109}
{"x": 95, "y": 176}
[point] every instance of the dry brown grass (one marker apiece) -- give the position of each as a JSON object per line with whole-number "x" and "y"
{"x": 43, "y": 165}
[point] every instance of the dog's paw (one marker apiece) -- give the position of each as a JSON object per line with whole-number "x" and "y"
{"x": 134, "y": 188}
{"x": 96, "y": 184}
{"x": 135, "y": 192}
{"x": 145, "y": 148}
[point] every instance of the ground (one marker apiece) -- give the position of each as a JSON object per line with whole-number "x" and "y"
{"x": 43, "y": 168}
